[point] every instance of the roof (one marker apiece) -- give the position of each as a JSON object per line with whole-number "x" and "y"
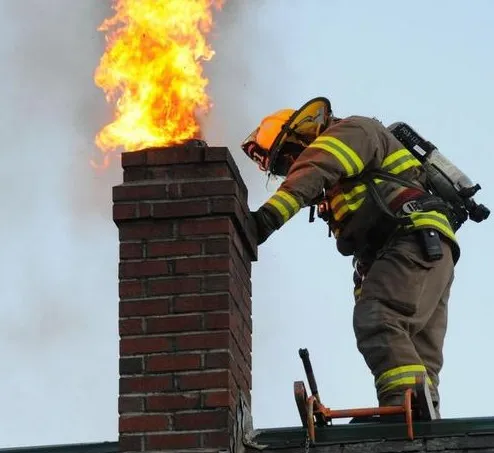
{"x": 451, "y": 435}
{"x": 100, "y": 447}
{"x": 456, "y": 434}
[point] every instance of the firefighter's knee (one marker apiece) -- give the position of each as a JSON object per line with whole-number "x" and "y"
{"x": 371, "y": 317}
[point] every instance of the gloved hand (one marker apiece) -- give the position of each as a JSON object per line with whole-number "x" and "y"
{"x": 262, "y": 224}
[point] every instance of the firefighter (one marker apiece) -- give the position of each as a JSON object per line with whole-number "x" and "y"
{"x": 403, "y": 257}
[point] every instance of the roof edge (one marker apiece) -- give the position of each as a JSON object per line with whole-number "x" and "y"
{"x": 280, "y": 438}
{"x": 91, "y": 447}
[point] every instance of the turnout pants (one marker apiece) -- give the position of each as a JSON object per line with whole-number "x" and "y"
{"x": 400, "y": 317}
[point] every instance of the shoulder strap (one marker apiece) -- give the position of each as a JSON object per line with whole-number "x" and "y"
{"x": 378, "y": 198}
{"x": 371, "y": 174}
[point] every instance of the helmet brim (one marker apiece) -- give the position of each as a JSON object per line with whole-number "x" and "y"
{"x": 317, "y": 110}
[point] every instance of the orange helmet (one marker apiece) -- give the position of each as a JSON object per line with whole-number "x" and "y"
{"x": 283, "y": 127}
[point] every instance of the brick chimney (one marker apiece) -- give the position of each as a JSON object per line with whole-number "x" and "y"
{"x": 185, "y": 300}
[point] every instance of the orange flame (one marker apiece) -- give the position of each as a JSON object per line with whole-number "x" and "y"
{"x": 151, "y": 71}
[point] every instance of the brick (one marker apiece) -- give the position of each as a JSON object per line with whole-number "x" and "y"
{"x": 130, "y": 289}
{"x": 203, "y": 380}
{"x": 131, "y": 365}
{"x": 174, "y": 323}
{"x": 203, "y": 188}
{"x": 231, "y": 206}
{"x": 242, "y": 299}
{"x": 145, "y": 384}
{"x": 241, "y": 278}
{"x": 217, "y": 153}
{"x": 217, "y": 320}
{"x": 220, "y": 246}
{"x": 202, "y": 265}
{"x": 202, "y": 303}
{"x": 173, "y": 248}
{"x": 145, "y": 229}
{"x": 218, "y": 398}
{"x": 173, "y": 362}
{"x": 241, "y": 350}
{"x": 243, "y": 265}
{"x": 140, "y": 192}
{"x": 133, "y": 174}
{"x": 223, "y": 205}
{"x": 217, "y": 283}
{"x": 175, "y": 155}
{"x": 145, "y": 307}
{"x": 236, "y": 326}
{"x": 125, "y": 211}
{"x": 201, "y": 227}
{"x": 217, "y": 359}
{"x": 243, "y": 364}
{"x": 177, "y": 209}
{"x": 134, "y": 158}
{"x": 238, "y": 376}
{"x": 131, "y": 443}
{"x": 133, "y": 326}
{"x": 175, "y": 441}
{"x": 137, "y": 269}
{"x": 214, "y": 419}
{"x": 130, "y": 404}
{"x": 216, "y": 439}
{"x": 221, "y": 154}
{"x": 210, "y": 170}
{"x": 131, "y": 250}
{"x": 206, "y": 340}
{"x": 143, "y": 423}
{"x": 163, "y": 287}
{"x": 172, "y": 402}
{"x": 144, "y": 345}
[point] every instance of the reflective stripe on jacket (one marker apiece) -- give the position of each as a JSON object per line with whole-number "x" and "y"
{"x": 333, "y": 162}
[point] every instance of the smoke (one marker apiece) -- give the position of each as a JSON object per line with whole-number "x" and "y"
{"x": 245, "y": 76}
{"x": 59, "y": 256}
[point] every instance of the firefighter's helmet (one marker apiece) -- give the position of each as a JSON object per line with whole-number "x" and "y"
{"x": 285, "y": 133}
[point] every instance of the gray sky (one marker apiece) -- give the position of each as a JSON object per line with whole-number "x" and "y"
{"x": 428, "y": 65}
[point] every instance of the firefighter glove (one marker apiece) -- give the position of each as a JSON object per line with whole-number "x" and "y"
{"x": 263, "y": 224}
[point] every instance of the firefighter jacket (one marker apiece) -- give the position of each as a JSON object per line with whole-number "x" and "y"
{"x": 335, "y": 163}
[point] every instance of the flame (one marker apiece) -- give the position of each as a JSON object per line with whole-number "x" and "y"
{"x": 151, "y": 71}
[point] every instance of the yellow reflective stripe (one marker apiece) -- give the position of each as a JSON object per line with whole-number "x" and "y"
{"x": 350, "y": 194}
{"x": 400, "y": 370}
{"x": 347, "y": 197}
{"x": 285, "y": 204}
{"x": 345, "y": 155}
{"x": 290, "y": 199}
{"x": 405, "y": 381}
{"x": 409, "y": 163}
{"x": 405, "y": 375}
{"x": 285, "y": 215}
{"x": 399, "y": 161}
{"x": 346, "y": 208}
{"x": 350, "y": 201}
{"x": 433, "y": 219}
{"x": 394, "y": 156}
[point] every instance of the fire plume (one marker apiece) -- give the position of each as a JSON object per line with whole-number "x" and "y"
{"x": 151, "y": 71}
